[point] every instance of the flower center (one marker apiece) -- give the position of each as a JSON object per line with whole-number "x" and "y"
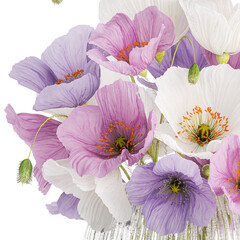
{"x": 71, "y": 76}
{"x": 119, "y": 136}
{"x": 202, "y": 126}
{"x": 235, "y": 180}
{"x": 175, "y": 186}
{"x": 123, "y": 55}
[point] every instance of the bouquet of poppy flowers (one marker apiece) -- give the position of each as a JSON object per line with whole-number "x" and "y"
{"x": 145, "y": 141}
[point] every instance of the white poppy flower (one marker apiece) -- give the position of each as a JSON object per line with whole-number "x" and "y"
{"x": 172, "y": 8}
{"x": 101, "y": 199}
{"x": 199, "y": 115}
{"x": 215, "y": 24}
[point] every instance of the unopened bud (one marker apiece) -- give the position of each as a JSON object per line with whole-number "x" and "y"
{"x": 25, "y": 171}
{"x": 143, "y": 73}
{"x": 206, "y": 170}
{"x": 159, "y": 56}
{"x": 56, "y": 1}
{"x": 193, "y": 74}
{"x": 223, "y": 59}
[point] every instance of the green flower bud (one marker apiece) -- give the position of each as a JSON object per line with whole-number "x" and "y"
{"x": 206, "y": 170}
{"x": 223, "y": 59}
{"x": 56, "y": 1}
{"x": 159, "y": 56}
{"x": 143, "y": 73}
{"x": 25, "y": 171}
{"x": 193, "y": 74}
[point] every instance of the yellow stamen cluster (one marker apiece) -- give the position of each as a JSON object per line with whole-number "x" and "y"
{"x": 123, "y": 55}
{"x": 72, "y": 76}
{"x": 235, "y": 180}
{"x": 119, "y": 136}
{"x": 202, "y": 126}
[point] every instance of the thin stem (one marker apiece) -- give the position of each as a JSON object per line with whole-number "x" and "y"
{"x": 180, "y": 154}
{"x": 132, "y": 79}
{"x": 143, "y": 163}
{"x": 177, "y": 49}
{"x": 40, "y": 129}
{"x": 156, "y": 155}
{"x": 161, "y": 120}
{"x": 125, "y": 171}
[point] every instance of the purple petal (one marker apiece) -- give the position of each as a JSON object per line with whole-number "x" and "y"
{"x": 33, "y": 74}
{"x": 47, "y": 145}
{"x": 67, "y": 54}
{"x": 72, "y": 94}
{"x": 66, "y": 205}
{"x": 175, "y": 163}
{"x": 203, "y": 205}
{"x": 163, "y": 217}
{"x": 138, "y": 189}
{"x": 115, "y": 35}
{"x": 147, "y": 84}
{"x": 150, "y": 23}
{"x": 43, "y": 185}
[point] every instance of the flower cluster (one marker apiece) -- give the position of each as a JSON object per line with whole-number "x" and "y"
{"x": 148, "y": 115}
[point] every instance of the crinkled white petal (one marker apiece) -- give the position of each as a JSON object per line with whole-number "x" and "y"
{"x": 211, "y": 24}
{"x": 112, "y": 192}
{"x": 165, "y": 133}
{"x": 60, "y": 174}
{"x": 108, "y": 8}
{"x": 59, "y": 111}
{"x": 92, "y": 209}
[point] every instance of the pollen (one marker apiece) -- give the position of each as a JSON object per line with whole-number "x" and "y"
{"x": 71, "y": 76}
{"x": 202, "y": 126}
{"x": 123, "y": 54}
{"x": 236, "y": 180}
{"x": 118, "y": 136}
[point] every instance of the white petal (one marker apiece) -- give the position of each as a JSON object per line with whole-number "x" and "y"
{"x": 107, "y": 9}
{"x": 176, "y": 96}
{"x": 59, "y": 111}
{"x": 148, "y": 97}
{"x": 60, "y": 174}
{"x": 92, "y": 209}
{"x": 112, "y": 192}
{"x": 208, "y": 24}
{"x": 165, "y": 133}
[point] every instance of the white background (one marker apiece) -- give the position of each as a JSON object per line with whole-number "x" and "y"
{"x": 27, "y": 27}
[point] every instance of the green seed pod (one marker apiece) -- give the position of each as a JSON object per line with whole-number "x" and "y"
{"x": 56, "y": 1}
{"x": 143, "y": 73}
{"x": 25, "y": 171}
{"x": 223, "y": 59}
{"x": 193, "y": 74}
{"x": 159, "y": 56}
{"x": 206, "y": 170}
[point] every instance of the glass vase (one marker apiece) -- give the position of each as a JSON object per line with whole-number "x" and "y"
{"x": 224, "y": 226}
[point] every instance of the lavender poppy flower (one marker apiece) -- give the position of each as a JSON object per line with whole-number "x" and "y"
{"x": 184, "y": 57}
{"x": 100, "y": 137}
{"x": 133, "y": 44}
{"x": 172, "y": 192}
{"x": 66, "y": 205}
{"x": 225, "y": 171}
{"x": 47, "y": 144}
{"x": 64, "y": 77}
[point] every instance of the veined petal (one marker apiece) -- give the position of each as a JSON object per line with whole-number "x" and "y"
{"x": 33, "y": 73}
{"x": 43, "y": 185}
{"x": 62, "y": 56}
{"x": 72, "y": 94}
{"x": 112, "y": 192}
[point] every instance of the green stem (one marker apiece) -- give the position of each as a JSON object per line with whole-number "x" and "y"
{"x": 180, "y": 154}
{"x": 143, "y": 163}
{"x": 156, "y": 155}
{"x": 40, "y": 129}
{"x": 125, "y": 171}
{"x": 132, "y": 79}
{"x": 178, "y": 46}
{"x": 161, "y": 120}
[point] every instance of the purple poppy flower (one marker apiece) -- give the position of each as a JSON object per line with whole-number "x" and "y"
{"x": 225, "y": 171}
{"x": 172, "y": 192}
{"x": 66, "y": 205}
{"x": 101, "y": 137}
{"x": 184, "y": 57}
{"x": 47, "y": 145}
{"x": 133, "y": 44}
{"x": 234, "y": 60}
{"x": 65, "y": 76}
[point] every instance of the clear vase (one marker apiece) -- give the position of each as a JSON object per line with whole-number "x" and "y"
{"x": 224, "y": 226}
